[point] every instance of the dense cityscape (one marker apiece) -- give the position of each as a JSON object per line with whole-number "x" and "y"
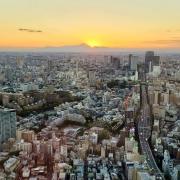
{"x": 76, "y": 116}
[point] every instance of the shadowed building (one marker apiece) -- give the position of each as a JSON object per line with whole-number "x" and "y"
{"x": 7, "y": 124}
{"x": 150, "y": 61}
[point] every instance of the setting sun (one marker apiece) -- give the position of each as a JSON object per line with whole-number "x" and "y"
{"x": 121, "y": 24}
{"x": 93, "y": 43}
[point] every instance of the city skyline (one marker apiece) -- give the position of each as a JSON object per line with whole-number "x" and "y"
{"x": 114, "y": 24}
{"x": 90, "y": 89}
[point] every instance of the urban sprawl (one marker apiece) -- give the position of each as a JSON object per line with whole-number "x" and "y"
{"x": 89, "y": 116}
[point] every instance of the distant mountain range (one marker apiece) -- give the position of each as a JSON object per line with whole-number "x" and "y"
{"x": 79, "y": 48}
{"x": 71, "y": 48}
{"x": 68, "y": 48}
{"x": 86, "y": 48}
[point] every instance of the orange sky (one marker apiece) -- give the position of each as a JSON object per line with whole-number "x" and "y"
{"x": 112, "y": 23}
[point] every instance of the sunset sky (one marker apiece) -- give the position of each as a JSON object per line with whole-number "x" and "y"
{"x": 110, "y": 23}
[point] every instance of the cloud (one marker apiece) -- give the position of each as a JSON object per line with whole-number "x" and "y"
{"x": 173, "y": 30}
{"x": 30, "y": 30}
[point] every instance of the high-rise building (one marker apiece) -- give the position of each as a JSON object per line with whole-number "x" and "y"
{"x": 92, "y": 77}
{"x": 156, "y": 97}
{"x": 130, "y": 60}
{"x": 77, "y": 68}
{"x": 115, "y": 62}
{"x": 166, "y": 162}
{"x": 150, "y": 61}
{"x": 141, "y": 70}
{"x": 7, "y": 124}
{"x": 20, "y": 62}
{"x": 148, "y": 58}
{"x": 129, "y": 117}
{"x": 133, "y": 62}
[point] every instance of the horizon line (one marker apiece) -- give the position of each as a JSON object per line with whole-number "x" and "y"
{"x": 84, "y": 45}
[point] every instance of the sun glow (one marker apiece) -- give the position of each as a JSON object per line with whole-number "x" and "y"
{"x": 93, "y": 43}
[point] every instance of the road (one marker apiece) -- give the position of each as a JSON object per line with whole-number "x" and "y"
{"x": 144, "y": 132}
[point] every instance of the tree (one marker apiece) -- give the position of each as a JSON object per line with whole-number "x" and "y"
{"x": 104, "y": 134}
{"x": 113, "y": 83}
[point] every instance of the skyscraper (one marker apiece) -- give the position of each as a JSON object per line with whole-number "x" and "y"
{"x": 130, "y": 60}
{"x": 148, "y": 58}
{"x": 141, "y": 70}
{"x": 7, "y": 124}
{"x": 92, "y": 77}
{"x": 150, "y": 61}
{"x": 115, "y": 61}
{"x": 133, "y": 62}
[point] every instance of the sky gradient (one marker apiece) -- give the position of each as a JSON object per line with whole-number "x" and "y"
{"x": 110, "y": 23}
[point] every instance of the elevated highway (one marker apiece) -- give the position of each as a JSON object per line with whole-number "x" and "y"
{"x": 144, "y": 132}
